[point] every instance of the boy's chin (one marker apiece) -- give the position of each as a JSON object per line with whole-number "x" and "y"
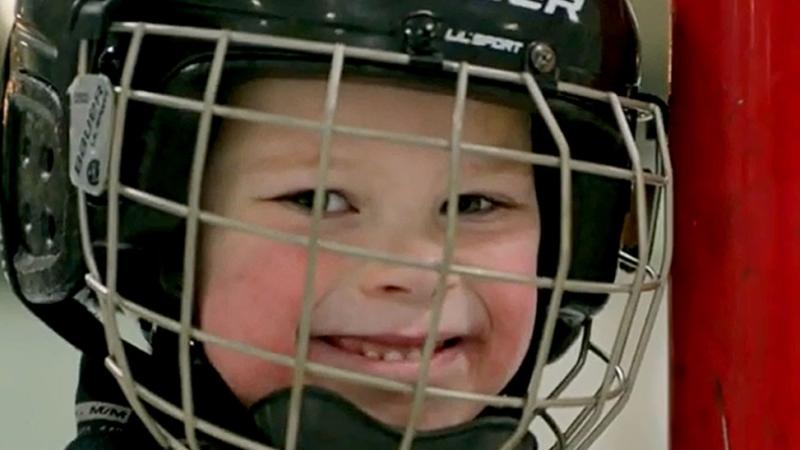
{"x": 394, "y": 409}
{"x": 432, "y": 417}
{"x": 328, "y": 420}
{"x": 389, "y": 409}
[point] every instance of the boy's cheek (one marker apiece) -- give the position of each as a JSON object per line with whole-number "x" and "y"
{"x": 253, "y": 294}
{"x": 511, "y": 306}
{"x": 257, "y": 289}
{"x": 512, "y": 312}
{"x": 513, "y": 252}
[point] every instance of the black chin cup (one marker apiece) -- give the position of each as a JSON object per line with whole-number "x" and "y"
{"x": 327, "y": 421}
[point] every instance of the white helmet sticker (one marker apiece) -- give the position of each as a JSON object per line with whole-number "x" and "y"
{"x": 571, "y": 7}
{"x": 91, "y": 131}
{"x": 483, "y": 40}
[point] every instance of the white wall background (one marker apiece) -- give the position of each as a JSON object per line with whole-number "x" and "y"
{"x": 38, "y": 371}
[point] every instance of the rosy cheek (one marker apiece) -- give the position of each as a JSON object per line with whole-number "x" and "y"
{"x": 512, "y": 310}
{"x": 511, "y": 306}
{"x": 252, "y": 292}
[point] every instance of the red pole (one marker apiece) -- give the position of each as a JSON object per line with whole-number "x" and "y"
{"x": 735, "y": 138}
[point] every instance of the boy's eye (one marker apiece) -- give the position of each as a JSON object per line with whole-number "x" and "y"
{"x": 473, "y": 204}
{"x": 334, "y": 202}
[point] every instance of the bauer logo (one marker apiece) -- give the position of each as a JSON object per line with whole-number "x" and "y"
{"x": 91, "y": 130}
{"x": 572, "y": 8}
{"x": 483, "y": 40}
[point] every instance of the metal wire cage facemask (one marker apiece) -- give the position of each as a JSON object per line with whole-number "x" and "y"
{"x": 637, "y": 294}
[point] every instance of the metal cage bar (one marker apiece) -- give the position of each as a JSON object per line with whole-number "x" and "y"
{"x": 633, "y": 298}
{"x": 448, "y": 253}
{"x": 304, "y": 332}
{"x": 190, "y": 241}
{"x": 564, "y": 257}
{"x": 108, "y": 303}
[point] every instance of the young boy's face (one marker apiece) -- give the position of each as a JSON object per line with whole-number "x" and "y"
{"x": 370, "y": 316}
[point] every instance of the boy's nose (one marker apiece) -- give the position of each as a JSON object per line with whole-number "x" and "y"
{"x": 387, "y": 280}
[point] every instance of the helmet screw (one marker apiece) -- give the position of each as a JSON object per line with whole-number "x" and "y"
{"x": 543, "y": 57}
{"x": 420, "y": 31}
{"x": 110, "y": 62}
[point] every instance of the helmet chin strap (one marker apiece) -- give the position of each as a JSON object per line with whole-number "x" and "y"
{"x": 329, "y": 421}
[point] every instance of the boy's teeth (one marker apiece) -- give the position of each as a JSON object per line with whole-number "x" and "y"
{"x": 372, "y": 354}
{"x": 393, "y": 356}
{"x": 389, "y": 355}
{"x": 414, "y": 355}
{"x": 379, "y": 352}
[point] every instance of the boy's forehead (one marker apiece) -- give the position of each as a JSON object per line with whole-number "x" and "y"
{"x": 383, "y": 105}
{"x": 303, "y": 154}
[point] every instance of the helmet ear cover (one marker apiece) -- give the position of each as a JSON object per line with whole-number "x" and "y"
{"x": 40, "y": 243}
{"x": 599, "y": 206}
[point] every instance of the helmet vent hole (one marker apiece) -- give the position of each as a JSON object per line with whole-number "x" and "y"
{"x": 47, "y": 161}
{"x": 25, "y": 215}
{"x": 25, "y": 151}
{"x": 49, "y": 228}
